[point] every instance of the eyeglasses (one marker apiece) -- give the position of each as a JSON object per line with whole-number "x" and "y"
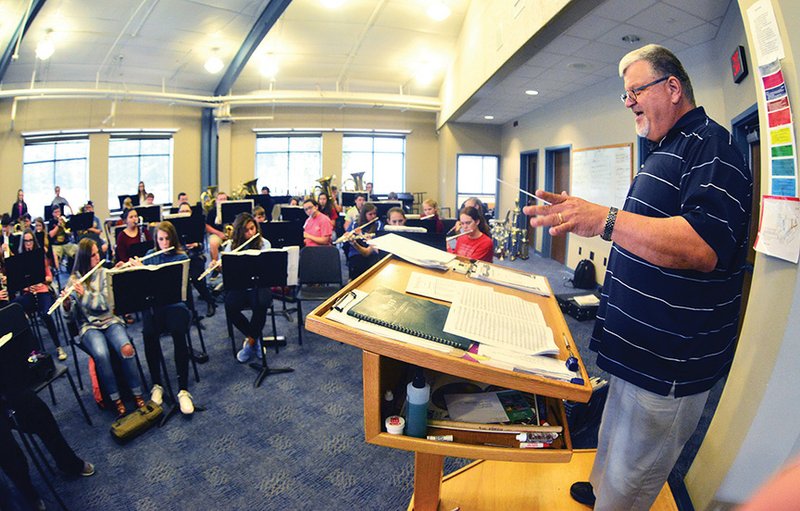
{"x": 631, "y": 93}
{"x": 308, "y": 208}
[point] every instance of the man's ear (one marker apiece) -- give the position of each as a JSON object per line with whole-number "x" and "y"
{"x": 675, "y": 89}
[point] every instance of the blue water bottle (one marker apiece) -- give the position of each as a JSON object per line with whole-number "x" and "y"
{"x": 418, "y": 393}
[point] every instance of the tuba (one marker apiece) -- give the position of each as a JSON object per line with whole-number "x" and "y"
{"x": 324, "y": 186}
{"x": 209, "y": 198}
{"x": 358, "y": 182}
{"x": 245, "y": 189}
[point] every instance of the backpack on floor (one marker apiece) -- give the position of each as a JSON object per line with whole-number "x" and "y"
{"x": 584, "y": 277}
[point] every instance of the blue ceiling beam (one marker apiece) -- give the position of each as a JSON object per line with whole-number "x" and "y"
{"x": 262, "y": 26}
{"x": 23, "y": 26}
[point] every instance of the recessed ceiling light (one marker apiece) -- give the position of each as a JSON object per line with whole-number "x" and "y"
{"x": 531, "y": 92}
{"x": 438, "y": 11}
{"x": 488, "y": 117}
{"x": 45, "y": 49}
{"x": 631, "y": 38}
{"x": 269, "y": 67}
{"x": 214, "y": 64}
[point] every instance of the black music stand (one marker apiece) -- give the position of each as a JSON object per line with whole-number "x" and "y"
{"x": 25, "y": 269}
{"x": 232, "y": 208}
{"x": 134, "y": 200}
{"x": 293, "y": 213}
{"x": 80, "y": 221}
{"x": 281, "y": 199}
{"x": 383, "y": 207}
{"x": 149, "y": 214}
{"x": 137, "y": 288}
{"x": 245, "y": 271}
{"x": 190, "y": 228}
{"x": 349, "y": 198}
{"x": 265, "y": 201}
{"x": 48, "y": 212}
{"x": 283, "y": 234}
{"x": 428, "y": 223}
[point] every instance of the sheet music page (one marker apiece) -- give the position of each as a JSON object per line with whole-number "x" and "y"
{"x": 525, "y": 282}
{"x": 412, "y": 251}
{"x": 500, "y": 320}
{"x": 439, "y": 288}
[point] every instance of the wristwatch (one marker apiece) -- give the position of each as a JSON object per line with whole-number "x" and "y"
{"x": 610, "y": 220}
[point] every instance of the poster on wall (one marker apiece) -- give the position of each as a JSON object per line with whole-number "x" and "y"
{"x": 782, "y": 147}
{"x": 779, "y": 228}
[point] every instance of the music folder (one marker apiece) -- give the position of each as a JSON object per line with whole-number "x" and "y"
{"x": 25, "y": 269}
{"x": 136, "y": 288}
{"x": 251, "y": 269}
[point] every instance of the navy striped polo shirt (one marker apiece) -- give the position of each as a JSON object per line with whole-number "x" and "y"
{"x": 657, "y": 326}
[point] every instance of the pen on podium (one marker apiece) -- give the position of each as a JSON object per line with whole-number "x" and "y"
{"x": 546, "y": 203}
{"x": 572, "y": 362}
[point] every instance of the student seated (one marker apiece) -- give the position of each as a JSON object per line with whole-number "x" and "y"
{"x": 396, "y": 216}
{"x": 214, "y": 229}
{"x": 172, "y": 318}
{"x": 327, "y": 208}
{"x": 258, "y": 299}
{"x": 38, "y": 297}
{"x": 318, "y": 228}
{"x": 360, "y": 255}
{"x": 430, "y": 209}
{"x": 60, "y": 239}
{"x": 476, "y": 243}
{"x": 99, "y": 330}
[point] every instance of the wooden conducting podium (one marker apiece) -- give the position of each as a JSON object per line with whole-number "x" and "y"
{"x": 385, "y": 363}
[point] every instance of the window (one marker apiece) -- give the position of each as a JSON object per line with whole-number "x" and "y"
{"x": 382, "y": 159}
{"x": 289, "y": 165}
{"x": 147, "y": 159}
{"x": 49, "y": 163}
{"x": 477, "y": 177}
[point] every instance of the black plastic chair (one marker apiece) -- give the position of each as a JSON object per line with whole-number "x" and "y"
{"x": 17, "y": 342}
{"x": 319, "y": 276}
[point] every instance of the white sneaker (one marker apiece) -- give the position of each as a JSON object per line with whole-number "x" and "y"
{"x": 62, "y": 355}
{"x": 157, "y": 394}
{"x": 185, "y": 401}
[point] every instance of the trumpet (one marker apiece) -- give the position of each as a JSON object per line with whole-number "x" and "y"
{"x": 126, "y": 264}
{"x": 71, "y": 288}
{"x": 216, "y": 264}
{"x": 62, "y": 222}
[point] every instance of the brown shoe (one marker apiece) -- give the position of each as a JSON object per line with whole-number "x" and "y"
{"x": 139, "y": 401}
{"x": 120, "y": 407}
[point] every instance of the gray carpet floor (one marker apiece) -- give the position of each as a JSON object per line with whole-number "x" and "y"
{"x": 295, "y": 443}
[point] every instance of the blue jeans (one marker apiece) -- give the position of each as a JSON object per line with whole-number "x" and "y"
{"x": 97, "y": 343}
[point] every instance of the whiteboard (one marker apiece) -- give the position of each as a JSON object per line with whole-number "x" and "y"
{"x": 602, "y": 174}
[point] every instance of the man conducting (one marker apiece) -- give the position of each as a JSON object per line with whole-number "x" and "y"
{"x": 667, "y": 324}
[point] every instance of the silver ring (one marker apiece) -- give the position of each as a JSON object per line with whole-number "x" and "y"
{"x": 560, "y": 219}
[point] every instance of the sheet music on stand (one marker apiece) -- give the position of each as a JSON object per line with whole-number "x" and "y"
{"x": 413, "y": 252}
{"x": 498, "y": 275}
{"x": 137, "y": 288}
{"x": 500, "y": 320}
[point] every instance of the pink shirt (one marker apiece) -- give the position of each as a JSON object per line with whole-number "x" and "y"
{"x": 318, "y": 225}
{"x": 481, "y": 248}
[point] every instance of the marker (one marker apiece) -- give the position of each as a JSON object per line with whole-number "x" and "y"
{"x": 526, "y": 193}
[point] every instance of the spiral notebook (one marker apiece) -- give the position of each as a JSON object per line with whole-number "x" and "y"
{"x": 408, "y": 314}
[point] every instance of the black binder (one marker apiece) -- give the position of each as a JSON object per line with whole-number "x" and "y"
{"x": 408, "y": 314}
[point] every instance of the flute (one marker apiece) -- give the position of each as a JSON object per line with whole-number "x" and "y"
{"x": 427, "y": 216}
{"x": 216, "y": 264}
{"x": 71, "y": 288}
{"x": 351, "y": 235}
{"x": 450, "y": 238}
{"x": 128, "y": 263}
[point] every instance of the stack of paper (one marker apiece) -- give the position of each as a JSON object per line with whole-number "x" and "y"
{"x": 505, "y": 277}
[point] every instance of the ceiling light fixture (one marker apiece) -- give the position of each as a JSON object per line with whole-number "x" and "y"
{"x": 214, "y": 64}
{"x": 531, "y": 92}
{"x": 489, "y": 117}
{"x": 45, "y": 48}
{"x": 438, "y": 11}
{"x": 332, "y": 4}
{"x": 269, "y": 67}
